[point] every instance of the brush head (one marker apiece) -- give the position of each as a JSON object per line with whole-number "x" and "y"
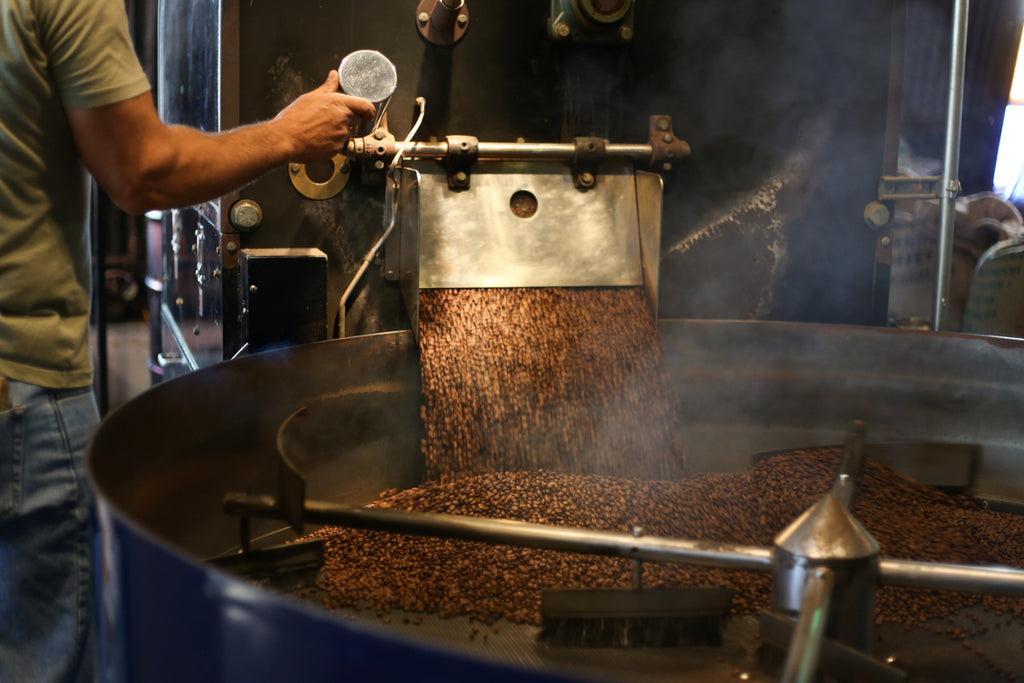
{"x": 651, "y": 617}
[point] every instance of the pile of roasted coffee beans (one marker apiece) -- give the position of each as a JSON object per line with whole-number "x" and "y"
{"x": 560, "y": 379}
{"x": 383, "y": 571}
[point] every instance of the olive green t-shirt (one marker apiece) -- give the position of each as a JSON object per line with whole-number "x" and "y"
{"x": 53, "y": 54}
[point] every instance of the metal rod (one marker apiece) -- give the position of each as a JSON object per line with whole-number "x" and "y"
{"x": 510, "y": 532}
{"x": 1006, "y": 580}
{"x": 850, "y": 463}
{"x": 172, "y": 326}
{"x": 514, "y": 151}
{"x": 951, "y": 163}
{"x": 805, "y": 647}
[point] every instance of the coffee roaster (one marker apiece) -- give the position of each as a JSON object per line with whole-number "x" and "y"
{"x": 535, "y": 144}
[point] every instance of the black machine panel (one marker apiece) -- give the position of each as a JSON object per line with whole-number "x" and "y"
{"x": 783, "y": 106}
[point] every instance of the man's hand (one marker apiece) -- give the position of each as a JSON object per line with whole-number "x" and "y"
{"x": 322, "y": 121}
{"x": 144, "y": 164}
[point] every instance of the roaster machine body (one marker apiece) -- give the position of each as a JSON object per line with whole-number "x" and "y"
{"x": 785, "y": 110}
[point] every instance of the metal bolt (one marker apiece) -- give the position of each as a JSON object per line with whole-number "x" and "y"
{"x": 463, "y": 20}
{"x": 252, "y": 289}
{"x": 667, "y": 137}
{"x": 216, "y": 272}
{"x": 378, "y": 134}
{"x": 423, "y": 18}
{"x": 246, "y": 215}
{"x": 232, "y": 247}
{"x": 562, "y": 30}
{"x": 379, "y": 165}
{"x": 666, "y": 166}
{"x": 886, "y": 241}
{"x": 587, "y": 179}
{"x": 295, "y": 168}
{"x": 625, "y": 32}
{"x": 876, "y": 214}
{"x": 662, "y": 124}
{"x": 179, "y": 301}
{"x": 461, "y": 178}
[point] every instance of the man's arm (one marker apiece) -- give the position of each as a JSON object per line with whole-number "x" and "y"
{"x": 144, "y": 164}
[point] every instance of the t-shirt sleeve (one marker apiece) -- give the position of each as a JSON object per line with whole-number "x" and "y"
{"x": 91, "y": 54}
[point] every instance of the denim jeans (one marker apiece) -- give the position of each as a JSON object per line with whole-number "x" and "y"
{"x": 46, "y": 535}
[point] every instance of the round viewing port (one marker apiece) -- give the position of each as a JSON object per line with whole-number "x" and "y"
{"x": 523, "y": 204}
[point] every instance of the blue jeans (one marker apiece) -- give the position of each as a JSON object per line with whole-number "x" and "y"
{"x": 46, "y": 535}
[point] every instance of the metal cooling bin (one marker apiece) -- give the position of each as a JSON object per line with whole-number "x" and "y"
{"x": 165, "y": 616}
{"x": 162, "y": 463}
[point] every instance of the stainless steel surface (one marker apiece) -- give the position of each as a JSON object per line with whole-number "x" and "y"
{"x": 372, "y": 76}
{"x": 649, "y": 193}
{"x": 804, "y": 652}
{"x": 749, "y": 387}
{"x": 951, "y": 162}
{"x": 472, "y": 238}
{"x": 827, "y": 535}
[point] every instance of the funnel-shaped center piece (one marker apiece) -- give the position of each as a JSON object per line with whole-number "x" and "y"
{"x": 827, "y": 531}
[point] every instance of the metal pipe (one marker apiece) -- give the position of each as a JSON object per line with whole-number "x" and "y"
{"x": 951, "y": 163}
{"x": 849, "y": 465}
{"x": 1006, "y": 580}
{"x": 510, "y": 532}
{"x": 805, "y": 647}
{"x": 515, "y": 151}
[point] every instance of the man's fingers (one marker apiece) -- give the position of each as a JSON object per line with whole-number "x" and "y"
{"x": 333, "y": 82}
{"x": 360, "y": 107}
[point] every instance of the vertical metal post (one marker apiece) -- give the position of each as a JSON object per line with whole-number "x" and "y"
{"x": 951, "y": 164}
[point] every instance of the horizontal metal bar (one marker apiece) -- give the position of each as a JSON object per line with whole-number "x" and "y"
{"x": 512, "y": 151}
{"x": 896, "y": 188}
{"x": 510, "y": 532}
{"x": 1005, "y": 580}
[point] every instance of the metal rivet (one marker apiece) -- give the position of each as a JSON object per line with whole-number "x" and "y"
{"x": 295, "y": 168}
{"x": 463, "y": 20}
{"x": 562, "y": 30}
{"x": 666, "y": 166}
{"x": 667, "y": 137}
{"x": 378, "y": 134}
{"x": 252, "y": 288}
{"x": 625, "y": 32}
{"x": 232, "y": 247}
{"x": 423, "y": 17}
